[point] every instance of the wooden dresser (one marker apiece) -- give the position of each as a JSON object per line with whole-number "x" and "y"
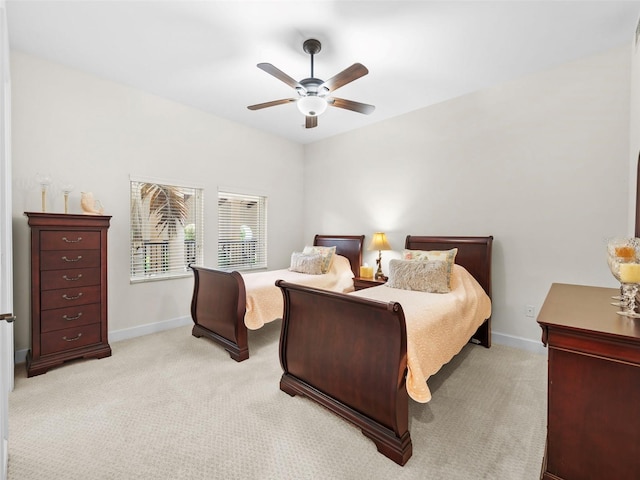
{"x": 593, "y": 423}
{"x": 68, "y": 289}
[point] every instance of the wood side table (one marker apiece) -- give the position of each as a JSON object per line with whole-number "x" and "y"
{"x": 593, "y": 423}
{"x": 360, "y": 283}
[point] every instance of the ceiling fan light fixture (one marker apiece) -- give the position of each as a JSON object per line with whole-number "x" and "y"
{"x": 312, "y": 105}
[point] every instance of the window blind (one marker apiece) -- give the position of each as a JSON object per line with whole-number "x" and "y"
{"x": 167, "y": 230}
{"x": 242, "y": 231}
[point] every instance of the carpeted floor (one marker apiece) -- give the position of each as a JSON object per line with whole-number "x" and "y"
{"x": 171, "y": 406}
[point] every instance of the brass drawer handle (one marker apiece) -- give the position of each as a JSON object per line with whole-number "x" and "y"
{"x": 71, "y": 339}
{"x": 65, "y": 239}
{"x": 72, "y": 259}
{"x": 69, "y": 319}
{"x": 67, "y": 297}
{"x": 72, "y": 279}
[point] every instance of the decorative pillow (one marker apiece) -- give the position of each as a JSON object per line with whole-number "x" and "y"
{"x": 448, "y": 256}
{"x": 327, "y": 255}
{"x": 431, "y": 276}
{"x": 306, "y": 263}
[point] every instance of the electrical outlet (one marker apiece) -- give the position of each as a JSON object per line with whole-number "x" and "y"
{"x": 530, "y": 311}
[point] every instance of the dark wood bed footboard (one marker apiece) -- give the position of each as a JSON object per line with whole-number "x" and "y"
{"x": 350, "y": 355}
{"x": 217, "y": 297}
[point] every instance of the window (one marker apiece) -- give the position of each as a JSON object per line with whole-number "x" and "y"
{"x": 167, "y": 230}
{"x": 242, "y": 231}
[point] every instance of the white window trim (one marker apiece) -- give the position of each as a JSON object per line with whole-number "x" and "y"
{"x": 163, "y": 249}
{"x": 238, "y": 246}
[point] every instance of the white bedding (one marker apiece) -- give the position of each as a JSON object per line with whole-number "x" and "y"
{"x": 438, "y": 324}
{"x": 264, "y": 299}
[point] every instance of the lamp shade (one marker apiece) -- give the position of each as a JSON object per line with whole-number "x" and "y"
{"x": 379, "y": 242}
{"x": 312, "y": 105}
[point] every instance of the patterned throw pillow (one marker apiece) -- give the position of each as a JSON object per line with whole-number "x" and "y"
{"x": 327, "y": 255}
{"x": 448, "y": 256}
{"x": 422, "y": 275}
{"x": 306, "y": 263}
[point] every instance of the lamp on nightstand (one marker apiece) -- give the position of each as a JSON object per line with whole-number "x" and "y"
{"x": 379, "y": 242}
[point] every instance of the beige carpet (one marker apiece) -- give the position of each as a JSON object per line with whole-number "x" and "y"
{"x": 171, "y": 406}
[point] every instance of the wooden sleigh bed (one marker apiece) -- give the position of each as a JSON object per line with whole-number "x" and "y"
{"x": 349, "y": 353}
{"x": 219, "y": 300}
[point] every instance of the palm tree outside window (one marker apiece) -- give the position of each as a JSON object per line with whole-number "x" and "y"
{"x": 166, "y": 230}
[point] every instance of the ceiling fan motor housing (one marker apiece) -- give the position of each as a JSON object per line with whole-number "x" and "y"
{"x": 312, "y": 87}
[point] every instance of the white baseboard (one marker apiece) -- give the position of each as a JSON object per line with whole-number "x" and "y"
{"x": 518, "y": 342}
{"x": 127, "y": 333}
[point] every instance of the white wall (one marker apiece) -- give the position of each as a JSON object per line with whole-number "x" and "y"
{"x": 634, "y": 131}
{"x": 94, "y": 134}
{"x": 540, "y": 163}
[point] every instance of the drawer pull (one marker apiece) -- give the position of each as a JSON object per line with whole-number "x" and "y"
{"x": 72, "y": 279}
{"x": 72, "y": 241}
{"x": 71, "y": 339}
{"x": 69, "y": 319}
{"x": 67, "y": 297}
{"x": 72, "y": 259}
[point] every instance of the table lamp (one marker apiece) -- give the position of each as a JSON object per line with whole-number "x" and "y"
{"x": 379, "y": 242}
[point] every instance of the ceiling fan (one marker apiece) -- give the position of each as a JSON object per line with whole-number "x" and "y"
{"x": 313, "y": 93}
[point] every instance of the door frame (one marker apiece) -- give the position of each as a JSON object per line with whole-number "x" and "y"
{"x": 6, "y": 247}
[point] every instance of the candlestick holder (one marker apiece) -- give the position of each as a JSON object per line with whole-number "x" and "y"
{"x": 44, "y": 180}
{"x": 67, "y": 188}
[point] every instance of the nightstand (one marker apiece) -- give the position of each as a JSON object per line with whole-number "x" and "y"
{"x": 360, "y": 283}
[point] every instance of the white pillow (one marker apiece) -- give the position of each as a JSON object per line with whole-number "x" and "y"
{"x": 327, "y": 255}
{"x": 306, "y": 263}
{"x": 431, "y": 276}
{"x": 448, "y": 256}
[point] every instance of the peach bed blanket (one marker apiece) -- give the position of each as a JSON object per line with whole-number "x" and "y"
{"x": 264, "y": 299}
{"x": 438, "y": 324}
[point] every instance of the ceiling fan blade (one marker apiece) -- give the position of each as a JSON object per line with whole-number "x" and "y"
{"x": 310, "y": 121}
{"x": 258, "y": 106}
{"x": 280, "y": 75}
{"x": 348, "y": 75}
{"x": 351, "y": 105}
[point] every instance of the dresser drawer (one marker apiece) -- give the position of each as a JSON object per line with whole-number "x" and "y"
{"x": 69, "y": 240}
{"x": 61, "y": 259}
{"x": 68, "y": 297}
{"x": 70, "y": 278}
{"x": 68, "y": 317}
{"x": 69, "y": 338}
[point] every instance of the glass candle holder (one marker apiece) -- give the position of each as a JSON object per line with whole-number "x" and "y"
{"x": 67, "y": 188}
{"x": 621, "y": 251}
{"x": 44, "y": 180}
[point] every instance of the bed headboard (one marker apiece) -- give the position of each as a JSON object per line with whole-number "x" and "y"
{"x": 349, "y": 246}
{"x": 474, "y": 253}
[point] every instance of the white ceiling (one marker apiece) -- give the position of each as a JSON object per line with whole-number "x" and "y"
{"x": 204, "y": 53}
